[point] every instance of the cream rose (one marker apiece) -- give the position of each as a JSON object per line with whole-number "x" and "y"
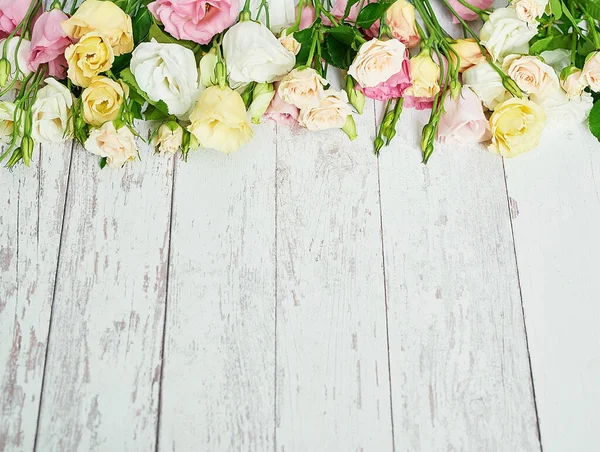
{"x": 167, "y": 72}
{"x": 104, "y": 18}
{"x": 169, "y": 138}
{"x": 51, "y": 113}
{"x": 7, "y": 125}
{"x": 516, "y": 126}
{"x": 302, "y": 87}
{"x": 469, "y": 53}
{"x": 487, "y": 84}
{"x": 504, "y": 33}
{"x": 102, "y": 100}
{"x": 401, "y": 19}
{"x": 289, "y": 42}
{"x": 531, "y": 74}
{"x": 591, "y": 71}
{"x": 425, "y": 76}
{"x": 377, "y": 61}
{"x": 219, "y": 120}
{"x": 530, "y": 10}
{"x": 572, "y": 82}
{"x": 88, "y": 58}
{"x": 331, "y": 113}
{"x": 21, "y": 56}
{"x": 253, "y": 54}
{"x": 117, "y": 146}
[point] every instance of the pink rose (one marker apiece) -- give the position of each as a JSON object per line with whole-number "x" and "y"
{"x": 281, "y": 112}
{"x": 12, "y": 12}
{"x": 463, "y": 120}
{"x": 48, "y": 44}
{"x": 393, "y": 87}
{"x": 465, "y": 13}
{"x": 307, "y": 17}
{"x": 195, "y": 20}
{"x": 418, "y": 103}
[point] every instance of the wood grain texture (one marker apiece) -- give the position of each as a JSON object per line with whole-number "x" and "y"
{"x": 102, "y": 375}
{"x": 555, "y": 199}
{"x": 31, "y": 217}
{"x": 332, "y": 369}
{"x": 218, "y": 381}
{"x": 459, "y": 362}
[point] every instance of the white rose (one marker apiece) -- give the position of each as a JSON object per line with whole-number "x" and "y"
{"x": 302, "y": 87}
{"x": 118, "y": 146}
{"x": 22, "y": 56}
{"x": 289, "y": 42}
{"x": 486, "y": 83}
{"x": 330, "y": 113}
{"x": 7, "y": 125}
{"x": 505, "y": 33}
{"x": 531, "y": 74}
{"x": 253, "y": 54}
{"x": 167, "y": 72}
{"x": 169, "y": 138}
{"x": 591, "y": 71}
{"x": 565, "y": 112}
{"x": 530, "y": 10}
{"x": 558, "y": 58}
{"x": 207, "y": 69}
{"x": 377, "y": 61}
{"x": 51, "y": 112}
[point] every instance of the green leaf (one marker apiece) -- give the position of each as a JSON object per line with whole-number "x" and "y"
{"x": 121, "y": 62}
{"x": 161, "y": 36}
{"x": 141, "y": 24}
{"x": 593, "y": 8}
{"x": 556, "y": 8}
{"x": 550, "y": 43}
{"x": 337, "y": 53}
{"x": 343, "y": 33}
{"x": 371, "y": 13}
{"x": 349, "y": 5}
{"x": 128, "y": 78}
{"x": 154, "y": 114}
{"x": 594, "y": 120}
{"x": 102, "y": 162}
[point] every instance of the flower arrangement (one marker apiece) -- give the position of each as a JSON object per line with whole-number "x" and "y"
{"x": 203, "y": 70}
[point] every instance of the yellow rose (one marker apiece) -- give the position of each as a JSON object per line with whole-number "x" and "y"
{"x": 104, "y": 18}
{"x": 425, "y": 76}
{"x": 102, "y": 100}
{"x": 469, "y": 53}
{"x": 516, "y": 126}
{"x": 88, "y": 58}
{"x": 219, "y": 120}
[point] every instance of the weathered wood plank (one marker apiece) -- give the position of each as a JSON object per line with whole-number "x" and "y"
{"x": 332, "y": 369}
{"x": 458, "y": 352}
{"x": 31, "y": 218}
{"x": 102, "y": 375}
{"x": 218, "y": 381}
{"x": 555, "y": 205}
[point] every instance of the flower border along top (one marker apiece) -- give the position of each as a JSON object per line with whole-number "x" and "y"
{"x": 204, "y": 70}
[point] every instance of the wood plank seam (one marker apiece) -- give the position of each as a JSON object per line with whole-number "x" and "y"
{"x": 276, "y": 301}
{"x": 512, "y": 233}
{"x": 60, "y": 243}
{"x": 385, "y": 294}
{"x": 164, "y": 332}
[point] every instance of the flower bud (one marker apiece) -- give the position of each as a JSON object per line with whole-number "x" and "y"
{"x": 169, "y": 138}
{"x": 207, "y": 67}
{"x": 572, "y": 82}
{"x": 27, "y": 149}
{"x": 378, "y": 144}
{"x": 350, "y": 128}
{"x": 221, "y": 74}
{"x": 4, "y": 72}
{"x": 261, "y": 99}
{"x": 511, "y": 86}
{"x": 427, "y": 152}
{"x": 355, "y": 97}
{"x": 455, "y": 88}
{"x": 426, "y": 137}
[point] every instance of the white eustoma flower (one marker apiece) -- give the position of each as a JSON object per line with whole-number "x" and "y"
{"x": 51, "y": 112}
{"x": 281, "y": 15}
{"x": 562, "y": 111}
{"x": 22, "y": 56}
{"x": 486, "y": 83}
{"x": 167, "y": 72}
{"x": 505, "y": 33}
{"x": 558, "y": 58}
{"x": 254, "y": 54}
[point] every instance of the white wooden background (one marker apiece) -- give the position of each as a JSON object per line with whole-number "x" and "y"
{"x": 302, "y": 295}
